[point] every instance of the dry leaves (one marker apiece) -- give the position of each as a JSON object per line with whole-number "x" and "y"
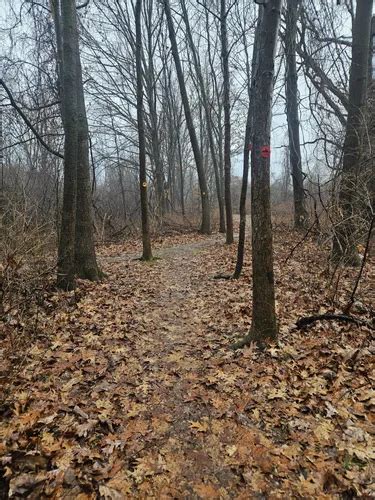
{"x": 131, "y": 390}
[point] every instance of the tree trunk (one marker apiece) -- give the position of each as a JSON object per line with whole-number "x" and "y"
{"x": 86, "y": 266}
{"x": 206, "y": 106}
{"x": 68, "y": 72}
{"x": 146, "y": 240}
{"x": 205, "y": 225}
{"x": 300, "y": 213}
{"x": 76, "y": 255}
{"x": 220, "y": 143}
{"x": 345, "y": 240}
{"x": 182, "y": 180}
{"x": 371, "y": 119}
{"x": 264, "y": 323}
{"x": 246, "y": 153}
{"x": 227, "y": 124}
{"x": 2, "y": 194}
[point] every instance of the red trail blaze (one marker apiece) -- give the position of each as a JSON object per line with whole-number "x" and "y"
{"x": 265, "y": 151}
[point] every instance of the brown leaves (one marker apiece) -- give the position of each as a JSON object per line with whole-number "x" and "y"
{"x": 204, "y": 490}
{"x": 24, "y": 484}
{"x": 135, "y": 394}
{"x": 199, "y": 426}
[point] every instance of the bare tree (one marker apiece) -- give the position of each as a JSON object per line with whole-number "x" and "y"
{"x": 147, "y": 253}
{"x": 208, "y": 116}
{"x": 227, "y": 125}
{"x": 344, "y": 243}
{"x": 292, "y": 13}
{"x": 205, "y": 224}
{"x": 151, "y": 93}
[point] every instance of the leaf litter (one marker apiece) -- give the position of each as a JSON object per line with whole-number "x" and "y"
{"x": 130, "y": 388}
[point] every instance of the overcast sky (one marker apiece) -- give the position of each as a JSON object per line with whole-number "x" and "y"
{"x": 279, "y": 126}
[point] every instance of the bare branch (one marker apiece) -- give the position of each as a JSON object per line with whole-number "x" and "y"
{"x": 28, "y": 122}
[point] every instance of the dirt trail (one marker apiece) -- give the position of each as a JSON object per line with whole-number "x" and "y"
{"x": 175, "y": 365}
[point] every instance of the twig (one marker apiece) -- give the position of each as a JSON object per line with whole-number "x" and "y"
{"x": 348, "y": 306}
{"x": 209, "y": 10}
{"x": 300, "y": 241}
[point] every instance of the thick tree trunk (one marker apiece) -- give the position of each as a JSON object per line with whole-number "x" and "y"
{"x": 371, "y": 120}
{"x": 77, "y": 258}
{"x": 66, "y": 249}
{"x": 264, "y": 323}
{"x": 246, "y": 153}
{"x": 86, "y": 266}
{"x": 2, "y": 193}
{"x": 146, "y": 240}
{"x": 227, "y": 124}
{"x": 345, "y": 239}
{"x": 206, "y": 106}
{"x": 300, "y": 213}
{"x": 205, "y": 225}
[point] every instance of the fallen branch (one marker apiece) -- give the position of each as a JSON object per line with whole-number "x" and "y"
{"x": 308, "y": 320}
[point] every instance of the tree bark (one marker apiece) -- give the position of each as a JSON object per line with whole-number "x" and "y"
{"x": 264, "y": 324}
{"x": 76, "y": 253}
{"x": 205, "y": 225}
{"x": 345, "y": 239}
{"x": 300, "y": 213}
{"x": 146, "y": 240}
{"x": 86, "y": 266}
{"x": 371, "y": 118}
{"x": 246, "y": 153}
{"x": 66, "y": 249}
{"x": 227, "y": 124}
{"x": 182, "y": 180}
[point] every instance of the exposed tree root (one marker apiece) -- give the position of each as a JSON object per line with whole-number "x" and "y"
{"x": 245, "y": 341}
{"x": 308, "y": 320}
{"x": 249, "y": 339}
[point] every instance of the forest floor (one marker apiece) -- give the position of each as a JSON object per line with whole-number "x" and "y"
{"x": 129, "y": 389}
